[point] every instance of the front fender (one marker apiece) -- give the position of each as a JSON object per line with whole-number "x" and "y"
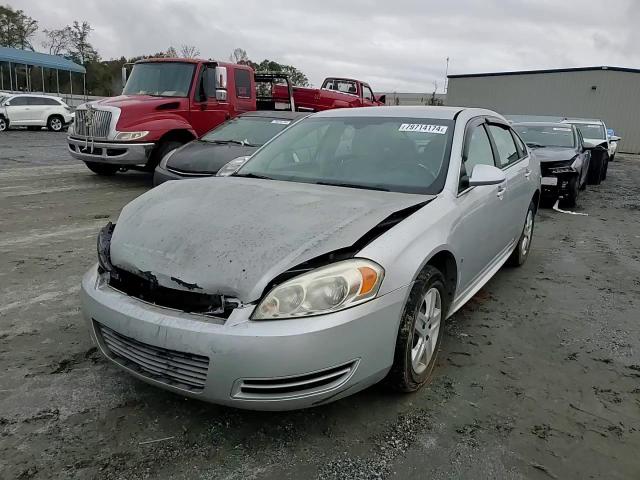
{"x": 158, "y": 126}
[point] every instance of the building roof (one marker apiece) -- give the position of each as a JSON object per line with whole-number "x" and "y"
{"x": 557, "y": 70}
{"x": 25, "y": 57}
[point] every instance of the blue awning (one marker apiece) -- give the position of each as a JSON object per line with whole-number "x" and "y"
{"x": 25, "y": 57}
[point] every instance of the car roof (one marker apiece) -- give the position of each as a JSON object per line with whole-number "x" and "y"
{"x": 30, "y": 95}
{"x": 287, "y": 114}
{"x": 583, "y": 120}
{"x": 441, "y": 113}
{"x": 542, "y": 124}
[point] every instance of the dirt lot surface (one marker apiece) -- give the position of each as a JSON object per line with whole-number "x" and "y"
{"x": 538, "y": 377}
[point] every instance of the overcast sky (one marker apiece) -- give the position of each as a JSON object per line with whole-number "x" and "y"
{"x": 397, "y": 45}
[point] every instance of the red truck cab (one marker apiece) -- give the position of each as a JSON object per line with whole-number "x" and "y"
{"x": 335, "y": 92}
{"x": 164, "y": 104}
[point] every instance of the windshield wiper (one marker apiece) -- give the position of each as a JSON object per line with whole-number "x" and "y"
{"x": 231, "y": 142}
{"x": 535, "y": 145}
{"x": 353, "y": 185}
{"x": 252, "y": 175}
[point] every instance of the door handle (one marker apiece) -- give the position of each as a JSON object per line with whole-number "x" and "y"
{"x": 501, "y": 189}
{"x": 527, "y": 173}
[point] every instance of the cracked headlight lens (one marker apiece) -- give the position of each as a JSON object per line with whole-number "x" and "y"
{"x": 323, "y": 290}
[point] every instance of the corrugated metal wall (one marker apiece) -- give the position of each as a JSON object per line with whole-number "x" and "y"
{"x": 616, "y": 99}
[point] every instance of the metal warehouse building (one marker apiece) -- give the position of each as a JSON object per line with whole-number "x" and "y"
{"x": 609, "y": 93}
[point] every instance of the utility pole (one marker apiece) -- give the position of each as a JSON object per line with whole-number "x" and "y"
{"x": 446, "y": 77}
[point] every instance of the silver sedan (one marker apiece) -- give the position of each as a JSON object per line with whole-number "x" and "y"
{"x": 327, "y": 262}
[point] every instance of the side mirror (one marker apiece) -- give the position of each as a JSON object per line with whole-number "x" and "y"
{"x": 486, "y": 175}
{"x": 221, "y": 84}
{"x": 382, "y": 99}
{"x": 615, "y": 138}
{"x": 7, "y": 104}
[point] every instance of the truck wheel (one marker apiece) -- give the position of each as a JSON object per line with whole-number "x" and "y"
{"x": 420, "y": 333}
{"x": 160, "y": 151}
{"x": 571, "y": 198}
{"x": 3, "y": 124}
{"x": 102, "y": 168}
{"x": 55, "y": 123}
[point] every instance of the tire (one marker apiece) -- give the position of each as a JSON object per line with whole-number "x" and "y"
{"x": 571, "y": 198}
{"x": 160, "y": 151}
{"x": 594, "y": 176}
{"x": 422, "y": 319}
{"x": 102, "y": 168}
{"x": 55, "y": 123}
{"x": 605, "y": 168}
{"x": 521, "y": 252}
{"x": 4, "y": 125}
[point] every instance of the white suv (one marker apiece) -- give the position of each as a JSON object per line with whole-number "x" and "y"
{"x": 34, "y": 111}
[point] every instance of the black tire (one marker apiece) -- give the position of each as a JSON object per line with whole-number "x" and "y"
{"x": 594, "y": 176}
{"x": 547, "y": 201}
{"x": 403, "y": 376}
{"x": 160, "y": 151}
{"x": 571, "y": 198}
{"x": 102, "y": 168}
{"x": 521, "y": 252}
{"x": 605, "y": 168}
{"x": 55, "y": 123}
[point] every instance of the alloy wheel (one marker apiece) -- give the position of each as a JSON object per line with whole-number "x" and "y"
{"x": 426, "y": 330}
{"x": 527, "y": 233}
{"x": 56, "y": 124}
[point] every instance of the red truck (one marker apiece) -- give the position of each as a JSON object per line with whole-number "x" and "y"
{"x": 166, "y": 103}
{"x": 335, "y": 93}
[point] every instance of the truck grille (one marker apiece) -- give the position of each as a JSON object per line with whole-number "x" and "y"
{"x": 179, "y": 369}
{"x": 94, "y": 125}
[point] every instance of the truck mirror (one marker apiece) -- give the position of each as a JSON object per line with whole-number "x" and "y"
{"x": 221, "y": 78}
{"x": 124, "y": 76}
{"x": 382, "y": 99}
{"x": 221, "y": 95}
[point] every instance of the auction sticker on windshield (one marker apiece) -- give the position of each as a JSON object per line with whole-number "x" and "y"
{"x": 281, "y": 122}
{"x": 423, "y": 128}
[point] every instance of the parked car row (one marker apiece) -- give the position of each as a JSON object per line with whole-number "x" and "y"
{"x": 573, "y": 152}
{"x": 325, "y": 262}
{"x": 34, "y": 112}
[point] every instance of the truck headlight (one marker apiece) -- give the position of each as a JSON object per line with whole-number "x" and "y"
{"x": 323, "y": 290}
{"x": 130, "y": 136}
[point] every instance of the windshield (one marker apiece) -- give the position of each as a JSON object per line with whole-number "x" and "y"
{"x": 546, "y": 135}
{"x": 252, "y": 131}
{"x": 591, "y": 130}
{"x": 395, "y": 154}
{"x": 164, "y": 79}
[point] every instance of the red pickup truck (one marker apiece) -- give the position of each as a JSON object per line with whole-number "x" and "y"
{"x": 334, "y": 93}
{"x": 164, "y": 104}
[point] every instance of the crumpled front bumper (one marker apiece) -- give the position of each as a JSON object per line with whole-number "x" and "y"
{"x": 258, "y": 365}
{"x": 117, "y": 153}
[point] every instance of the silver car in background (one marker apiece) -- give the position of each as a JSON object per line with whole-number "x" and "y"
{"x": 326, "y": 263}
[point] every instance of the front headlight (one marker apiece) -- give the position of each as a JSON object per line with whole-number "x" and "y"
{"x": 130, "y": 136}
{"x": 165, "y": 159}
{"x": 323, "y": 290}
{"x": 232, "y": 167}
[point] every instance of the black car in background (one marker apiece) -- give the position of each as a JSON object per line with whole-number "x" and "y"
{"x": 564, "y": 160}
{"x": 236, "y": 138}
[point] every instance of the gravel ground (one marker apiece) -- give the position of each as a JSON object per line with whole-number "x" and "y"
{"x": 538, "y": 376}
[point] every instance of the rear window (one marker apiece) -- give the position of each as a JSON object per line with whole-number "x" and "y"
{"x": 547, "y": 136}
{"x": 243, "y": 83}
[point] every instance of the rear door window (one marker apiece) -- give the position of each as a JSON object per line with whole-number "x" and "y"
{"x": 507, "y": 151}
{"x": 243, "y": 83}
{"x": 367, "y": 94}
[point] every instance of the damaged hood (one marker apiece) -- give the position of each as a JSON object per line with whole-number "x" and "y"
{"x": 231, "y": 235}
{"x": 555, "y": 154}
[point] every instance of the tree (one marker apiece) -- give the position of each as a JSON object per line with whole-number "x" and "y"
{"x": 240, "y": 57}
{"x": 189, "y": 51}
{"x": 16, "y": 28}
{"x": 171, "y": 52}
{"x": 79, "y": 47}
{"x": 57, "y": 41}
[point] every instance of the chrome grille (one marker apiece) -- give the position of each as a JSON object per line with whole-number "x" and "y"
{"x": 92, "y": 123}
{"x": 179, "y": 369}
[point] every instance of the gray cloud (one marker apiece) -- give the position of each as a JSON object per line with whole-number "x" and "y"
{"x": 400, "y": 45}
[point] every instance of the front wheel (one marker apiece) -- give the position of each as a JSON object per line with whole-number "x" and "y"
{"x": 55, "y": 123}
{"x": 420, "y": 332}
{"x": 102, "y": 168}
{"x": 160, "y": 151}
{"x": 571, "y": 198}
{"x": 521, "y": 252}
{"x": 3, "y": 124}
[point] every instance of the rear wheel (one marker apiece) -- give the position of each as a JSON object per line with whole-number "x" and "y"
{"x": 160, "y": 151}
{"x": 521, "y": 252}
{"x": 420, "y": 333}
{"x": 3, "y": 124}
{"x": 102, "y": 168}
{"x": 55, "y": 123}
{"x": 571, "y": 198}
